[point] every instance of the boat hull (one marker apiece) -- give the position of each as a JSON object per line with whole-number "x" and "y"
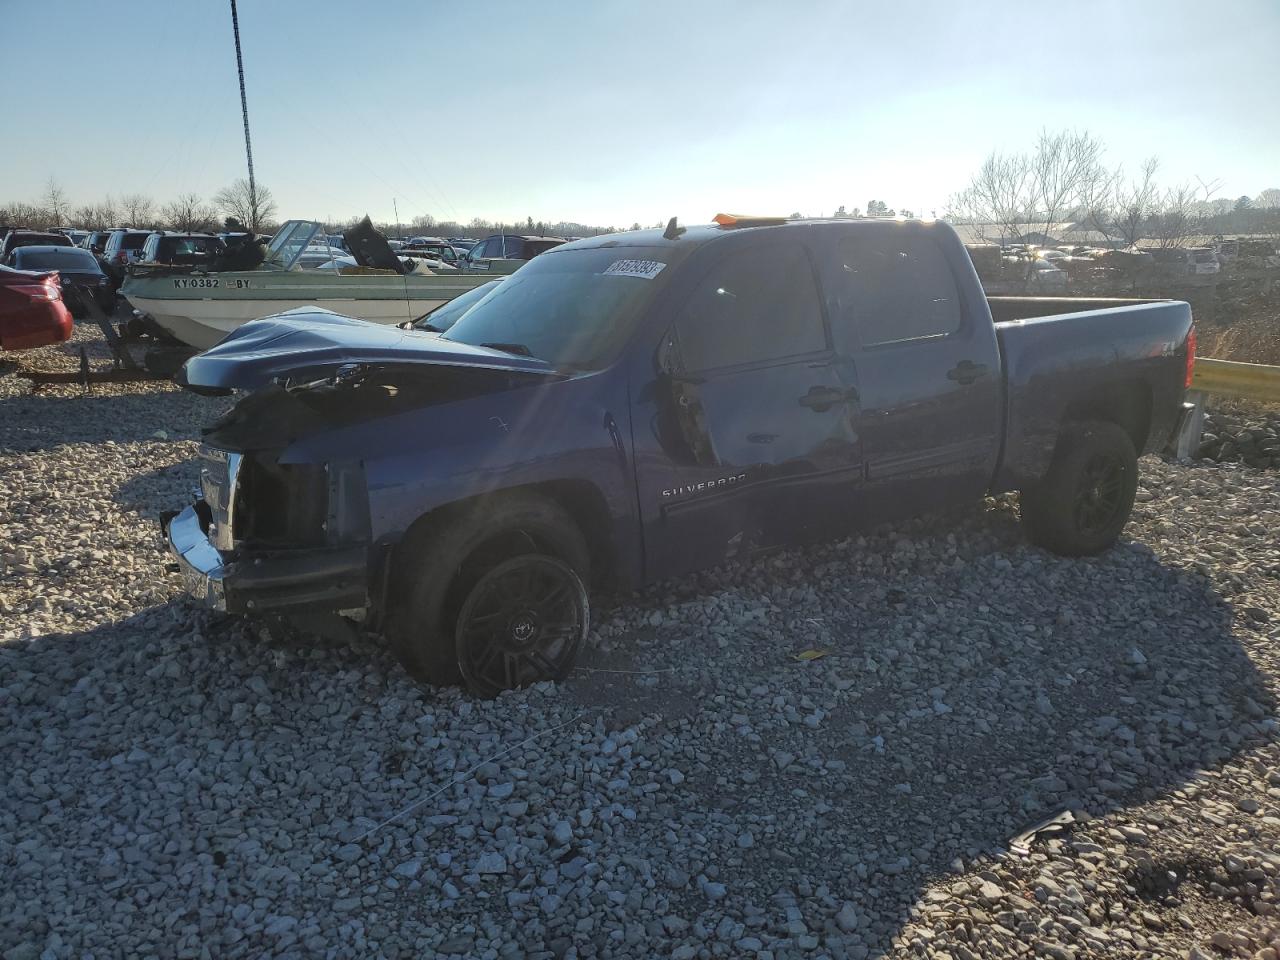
{"x": 200, "y": 311}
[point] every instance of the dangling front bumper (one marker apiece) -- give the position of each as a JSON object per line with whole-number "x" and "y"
{"x": 274, "y": 581}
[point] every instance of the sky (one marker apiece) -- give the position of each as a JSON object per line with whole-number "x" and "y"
{"x": 605, "y": 112}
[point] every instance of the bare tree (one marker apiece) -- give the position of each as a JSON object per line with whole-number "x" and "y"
{"x": 86, "y": 216}
{"x": 1176, "y": 221}
{"x": 22, "y": 214}
{"x": 254, "y": 208}
{"x": 1124, "y": 209}
{"x": 1065, "y": 167}
{"x": 1268, "y": 199}
{"x": 1016, "y": 193}
{"x": 996, "y": 199}
{"x": 55, "y": 203}
{"x": 107, "y": 214}
{"x": 138, "y": 210}
{"x": 189, "y": 214}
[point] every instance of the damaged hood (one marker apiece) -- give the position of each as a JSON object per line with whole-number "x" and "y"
{"x": 310, "y": 343}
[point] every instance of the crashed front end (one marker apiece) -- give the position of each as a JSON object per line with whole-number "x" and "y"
{"x": 269, "y": 538}
{"x": 281, "y": 523}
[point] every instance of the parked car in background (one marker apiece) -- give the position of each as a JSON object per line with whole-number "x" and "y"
{"x": 123, "y": 247}
{"x": 96, "y": 241}
{"x": 27, "y": 238}
{"x": 440, "y": 251}
{"x": 1052, "y": 255}
{"x": 1043, "y": 276}
{"x": 322, "y": 255}
{"x": 462, "y": 243}
{"x": 182, "y": 249}
{"x": 76, "y": 269}
{"x": 32, "y": 313}
{"x": 76, "y": 237}
{"x": 508, "y": 246}
{"x": 1185, "y": 262}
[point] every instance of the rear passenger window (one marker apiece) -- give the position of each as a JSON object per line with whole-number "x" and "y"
{"x": 892, "y": 287}
{"x": 757, "y": 305}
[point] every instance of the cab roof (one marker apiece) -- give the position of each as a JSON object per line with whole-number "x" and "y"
{"x": 695, "y": 236}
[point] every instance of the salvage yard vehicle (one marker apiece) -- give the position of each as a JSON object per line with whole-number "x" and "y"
{"x": 632, "y": 407}
{"x": 32, "y": 313}
{"x": 76, "y": 268}
{"x": 122, "y": 248}
{"x": 185, "y": 249}
{"x": 506, "y": 252}
{"x": 1190, "y": 264}
{"x": 28, "y": 238}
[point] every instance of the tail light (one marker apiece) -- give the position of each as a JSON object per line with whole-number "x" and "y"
{"x": 46, "y": 289}
{"x": 1191, "y": 357}
{"x": 122, "y": 257}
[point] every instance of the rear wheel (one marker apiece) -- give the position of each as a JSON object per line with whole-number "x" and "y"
{"x": 1084, "y": 500}
{"x": 445, "y": 560}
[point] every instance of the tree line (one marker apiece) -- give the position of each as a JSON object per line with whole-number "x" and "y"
{"x": 1064, "y": 178}
{"x": 233, "y": 208}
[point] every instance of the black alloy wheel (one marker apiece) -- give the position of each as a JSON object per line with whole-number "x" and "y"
{"x": 523, "y": 621}
{"x": 1083, "y": 501}
{"x": 1099, "y": 495}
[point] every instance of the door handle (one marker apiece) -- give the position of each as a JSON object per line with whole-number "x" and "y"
{"x": 966, "y": 372}
{"x": 820, "y": 399}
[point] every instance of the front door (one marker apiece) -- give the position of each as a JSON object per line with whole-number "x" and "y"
{"x": 750, "y": 437}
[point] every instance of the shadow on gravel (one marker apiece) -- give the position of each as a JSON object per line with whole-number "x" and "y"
{"x": 946, "y": 717}
{"x": 40, "y": 421}
{"x": 165, "y": 488}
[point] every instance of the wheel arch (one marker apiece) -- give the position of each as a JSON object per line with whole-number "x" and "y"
{"x": 1126, "y": 403}
{"x": 582, "y": 501}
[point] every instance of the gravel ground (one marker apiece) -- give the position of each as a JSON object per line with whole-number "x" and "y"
{"x": 178, "y": 784}
{"x": 1242, "y": 433}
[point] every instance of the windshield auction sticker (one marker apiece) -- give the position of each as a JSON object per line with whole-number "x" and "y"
{"x": 645, "y": 269}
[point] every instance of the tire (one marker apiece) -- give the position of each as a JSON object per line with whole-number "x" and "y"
{"x": 1083, "y": 501}
{"x": 522, "y": 621}
{"x": 443, "y": 558}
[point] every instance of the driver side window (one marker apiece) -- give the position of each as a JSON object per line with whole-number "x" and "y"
{"x": 758, "y": 305}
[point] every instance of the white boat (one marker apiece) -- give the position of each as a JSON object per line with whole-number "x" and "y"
{"x": 201, "y": 307}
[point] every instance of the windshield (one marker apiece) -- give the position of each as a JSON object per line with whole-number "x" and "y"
{"x": 68, "y": 258}
{"x": 446, "y": 315}
{"x": 573, "y": 308}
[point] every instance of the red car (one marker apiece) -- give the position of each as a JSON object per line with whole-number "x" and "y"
{"x": 32, "y": 313}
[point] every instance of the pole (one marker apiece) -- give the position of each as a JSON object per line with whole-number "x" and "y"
{"x": 244, "y": 110}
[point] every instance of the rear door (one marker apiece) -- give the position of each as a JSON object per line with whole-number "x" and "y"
{"x": 928, "y": 367}
{"x": 748, "y": 436}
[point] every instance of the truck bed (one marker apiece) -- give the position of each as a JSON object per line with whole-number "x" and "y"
{"x": 1086, "y": 358}
{"x": 1004, "y": 309}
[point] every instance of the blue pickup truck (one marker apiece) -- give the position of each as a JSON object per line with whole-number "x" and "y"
{"x": 631, "y": 407}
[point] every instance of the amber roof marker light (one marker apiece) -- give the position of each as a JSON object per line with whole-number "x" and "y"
{"x": 729, "y": 221}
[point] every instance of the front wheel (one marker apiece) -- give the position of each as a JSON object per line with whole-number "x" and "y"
{"x": 1085, "y": 498}
{"x": 523, "y": 621}
{"x": 458, "y": 560}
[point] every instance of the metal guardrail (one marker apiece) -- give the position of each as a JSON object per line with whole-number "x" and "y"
{"x": 1223, "y": 378}
{"x": 1228, "y": 378}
